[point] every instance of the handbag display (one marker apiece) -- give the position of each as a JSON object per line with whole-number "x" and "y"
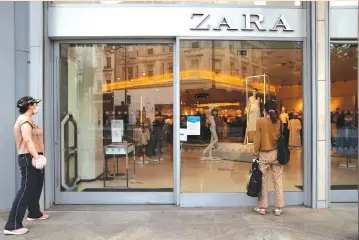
{"x": 254, "y": 186}
{"x": 283, "y": 148}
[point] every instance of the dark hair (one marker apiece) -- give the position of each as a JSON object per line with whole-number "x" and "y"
{"x": 255, "y": 89}
{"x": 24, "y": 103}
{"x": 271, "y": 108}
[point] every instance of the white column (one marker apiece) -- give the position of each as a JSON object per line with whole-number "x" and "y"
{"x": 36, "y": 61}
{"x": 321, "y": 193}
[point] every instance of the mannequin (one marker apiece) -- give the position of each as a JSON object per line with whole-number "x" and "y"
{"x": 284, "y": 118}
{"x": 214, "y": 136}
{"x": 253, "y": 114}
{"x": 294, "y": 130}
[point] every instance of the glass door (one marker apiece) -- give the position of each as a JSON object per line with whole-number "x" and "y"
{"x": 218, "y": 80}
{"x": 115, "y": 115}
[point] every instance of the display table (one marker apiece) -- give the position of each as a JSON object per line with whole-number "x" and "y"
{"x": 117, "y": 150}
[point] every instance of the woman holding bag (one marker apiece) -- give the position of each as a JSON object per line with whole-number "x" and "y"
{"x": 266, "y": 150}
{"x": 30, "y": 148}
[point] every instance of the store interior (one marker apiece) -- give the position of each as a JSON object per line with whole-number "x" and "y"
{"x": 122, "y": 95}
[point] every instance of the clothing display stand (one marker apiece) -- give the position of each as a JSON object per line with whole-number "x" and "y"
{"x": 348, "y": 163}
{"x": 347, "y": 146}
{"x": 265, "y": 81}
{"x": 117, "y": 150}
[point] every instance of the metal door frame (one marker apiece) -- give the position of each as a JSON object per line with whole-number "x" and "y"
{"x": 105, "y": 197}
{"x": 241, "y": 199}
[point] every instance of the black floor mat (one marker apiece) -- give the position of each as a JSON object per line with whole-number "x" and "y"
{"x": 337, "y": 187}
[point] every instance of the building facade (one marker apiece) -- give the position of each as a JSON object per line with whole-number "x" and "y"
{"x": 127, "y": 89}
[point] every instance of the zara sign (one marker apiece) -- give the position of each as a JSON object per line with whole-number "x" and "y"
{"x": 251, "y": 22}
{"x": 171, "y": 22}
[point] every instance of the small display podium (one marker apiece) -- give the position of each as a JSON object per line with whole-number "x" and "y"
{"x": 117, "y": 150}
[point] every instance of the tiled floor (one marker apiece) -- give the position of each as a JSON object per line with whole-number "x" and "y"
{"x": 168, "y": 222}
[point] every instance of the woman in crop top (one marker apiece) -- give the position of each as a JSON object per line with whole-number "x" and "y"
{"x": 265, "y": 150}
{"x": 29, "y": 144}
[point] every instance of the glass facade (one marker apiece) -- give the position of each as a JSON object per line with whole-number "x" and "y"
{"x": 217, "y": 78}
{"x": 124, "y": 97}
{"x": 344, "y": 116}
{"x": 116, "y": 100}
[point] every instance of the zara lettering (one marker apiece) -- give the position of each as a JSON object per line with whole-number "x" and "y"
{"x": 251, "y": 23}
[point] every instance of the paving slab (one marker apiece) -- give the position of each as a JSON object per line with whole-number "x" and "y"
{"x": 111, "y": 222}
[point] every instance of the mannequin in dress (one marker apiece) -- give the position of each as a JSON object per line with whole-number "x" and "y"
{"x": 284, "y": 118}
{"x": 214, "y": 136}
{"x": 253, "y": 114}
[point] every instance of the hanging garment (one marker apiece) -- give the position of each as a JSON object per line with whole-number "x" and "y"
{"x": 254, "y": 113}
{"x": 347, "y": 141}
{"x": 294, "y": 133}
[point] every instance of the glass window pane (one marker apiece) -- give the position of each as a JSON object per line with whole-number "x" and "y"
{"x": 343, "y": 3}
{"x": 116, "y": 99}
{"x": 259, "y": 3}
{"x": 221, "y": 75}
{"x": 344, "y": 120}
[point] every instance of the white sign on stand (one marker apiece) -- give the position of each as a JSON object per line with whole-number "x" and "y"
{"x": 117, "y": 130}
{"x": 183, "y": 134}
{"x": 193, "y": 125}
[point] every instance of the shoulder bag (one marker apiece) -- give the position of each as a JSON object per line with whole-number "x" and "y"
{"x": 283, "y": 149}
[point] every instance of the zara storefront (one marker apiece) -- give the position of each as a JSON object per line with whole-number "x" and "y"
{"x": 131, "y": 87}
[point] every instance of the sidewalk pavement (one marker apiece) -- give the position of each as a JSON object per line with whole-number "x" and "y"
{"x": 169, "y": 222}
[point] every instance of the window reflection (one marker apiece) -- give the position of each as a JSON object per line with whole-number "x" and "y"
{"x": 344, "y": 120}
{"x": 122, "y": 96}
{"x": 217, "y": 78}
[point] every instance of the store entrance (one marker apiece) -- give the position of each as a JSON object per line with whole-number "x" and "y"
{"x": 224, "y": 85}
{"x": 115, "y": 113}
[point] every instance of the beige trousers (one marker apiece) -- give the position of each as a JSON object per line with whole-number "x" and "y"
{"x": 268, "y": 161}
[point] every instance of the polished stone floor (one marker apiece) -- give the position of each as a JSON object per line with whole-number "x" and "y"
{"x": 169, "y": 222}
{"x": 215, "y": 176}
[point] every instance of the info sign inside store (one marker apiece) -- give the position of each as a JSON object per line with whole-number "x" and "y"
{"x": 193, "y": 125}
{"x": 117, "y": 131}
{"x": 193, "y": 128}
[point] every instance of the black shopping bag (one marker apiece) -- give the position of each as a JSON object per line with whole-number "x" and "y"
{"x": 254, "y": 186}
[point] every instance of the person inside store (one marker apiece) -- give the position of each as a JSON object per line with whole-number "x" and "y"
{"x": 30, "y": 148}
{"x": 265, "y": 151}
{"x": 159, "y": 134}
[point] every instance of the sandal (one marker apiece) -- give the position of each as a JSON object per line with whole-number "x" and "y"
{"x": 260, "y": 211}
{"x": 277, "y": 212}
